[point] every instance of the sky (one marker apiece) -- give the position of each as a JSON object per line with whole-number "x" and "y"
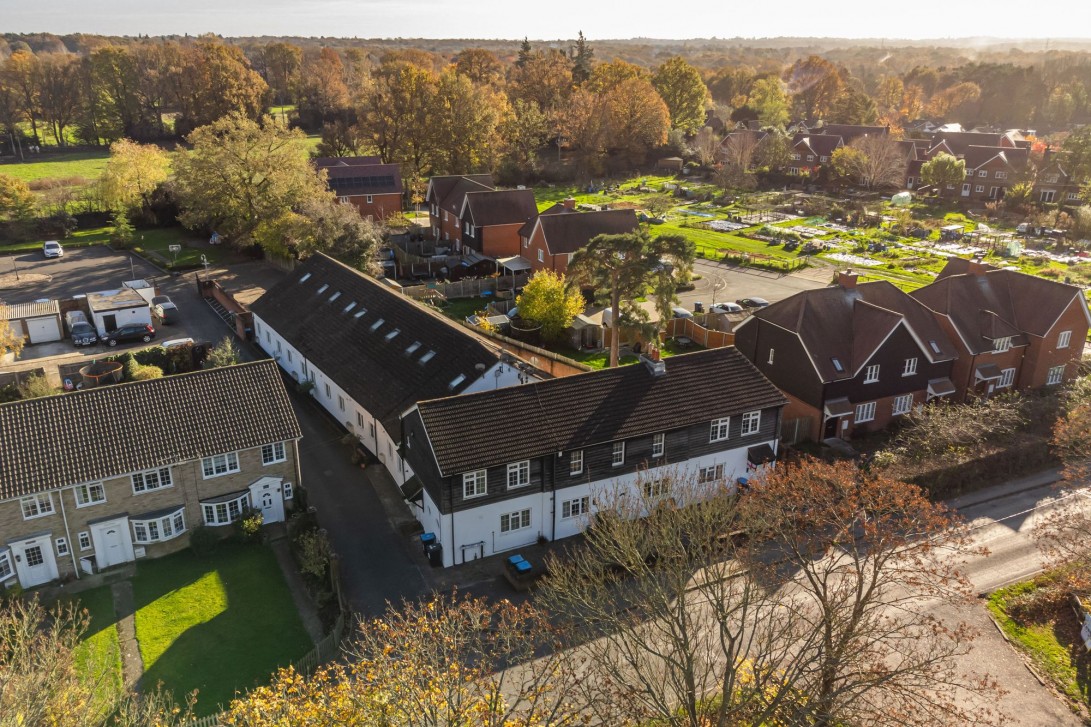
{"x": 1010, "y": 19}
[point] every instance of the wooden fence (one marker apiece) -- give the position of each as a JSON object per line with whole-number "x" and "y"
{"x": 796, "y": 430}
{"x": 466, "y": 288}
{"x": 694, "y": 331}
{"x": 326, "y": 650}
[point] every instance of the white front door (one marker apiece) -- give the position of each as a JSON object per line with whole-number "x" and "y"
{"x": 267, "y": 494}
{"x": 34, "y": 561}
{"x": 113, "y": 542}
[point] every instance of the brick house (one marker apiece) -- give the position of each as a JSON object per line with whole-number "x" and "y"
{"x": 1053, "y": 183}
{"x": 490, "y": 488}
{"x": 849, "y": 357}
{"x": 491, "y": 220}
{"x": 374, "y": 188}
{"x": 444, "y": 198}
{"x": 369, "y": 353}
{"x": 103, "y": 476}
{"x": 550, "y": 240}
{"x": 810, "y": 151}
{"x": 1011, "y": 330}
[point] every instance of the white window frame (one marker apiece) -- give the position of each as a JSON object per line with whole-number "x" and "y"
{"x": 84, "y": 494}
{"x": 340, "y": 402}
{"x": 659, "y": 444}
{"x": 871, "y": 374}
{"x": 979, "y": 188}
{"x": 541, "y": 255}
{"x": 575, "y": 508}
{"x": 710, "y": 473}
{"x": 162, "y": 478}
{"x": 62, "y": 546}
{"x": 720, "y": 430}
{"x": 772, "y": 353}
{"x": 1001, "y": 175}
{"x": 369, "y": 199}
{"x": 910, "y": 367}
{"x": 982, "y": 172}
{"x": 902, "y": 405}
{"x": 287, "y": 491}
{"x": 864, "y": 412}
{"x": 1064, "y": 339}
{"x": 617, "y": 455}
{"x": 219, "y": 465}
{"x": 273, "y": 452}
{"x": 7, "y": 569}
{"x": 1002, "y": 344}
{"x": 1007, "y": 378}
{"x": 751, "y": 423}
{"x": 575, "y": 462}
{"x": 475, "y": 484}
{"x": 1055, "y": 376}
{"x": 166, "y": 527}
{"x": 216, "y": 514}
{"x": 513, "y": 521}
{"x": 521, "y": 471}
{"x": 36, "y": 506}
{"x": 84, "y": 540}
{"x": 656, "y": 489}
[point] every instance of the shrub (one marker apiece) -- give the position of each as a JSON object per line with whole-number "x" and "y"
{"x": 222, "y": 354}
{"x": 248, "y": 526}
{"x": 313, "y": 551}
{"x": 36, "y": 386}
{"x": 136, "y": 371}
{"x": 203, "y": 541}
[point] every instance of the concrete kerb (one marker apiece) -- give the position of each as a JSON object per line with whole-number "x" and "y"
{"x": 1038, "y": 480}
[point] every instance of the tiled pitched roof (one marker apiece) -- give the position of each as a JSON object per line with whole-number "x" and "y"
{"x": 975, "y": 156}
{"x": 448, "y": 192}
{"x": 822, "y": 145}
{"x": 848, "y": 132}
{"x": 995, "y": 303}
{"x": 568, "y": 233}
{"x": 501, "y": 207}
{"x": 355, "y": 346}
{"x": 506, "y": 425}
{"x": 356, "y": 179}
{"x": 849, "y": 324}
{"x": 557, "y": 208}
{"x": 93, "y": 434}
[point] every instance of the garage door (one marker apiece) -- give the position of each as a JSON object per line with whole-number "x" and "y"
{"x": 42, "y": 330}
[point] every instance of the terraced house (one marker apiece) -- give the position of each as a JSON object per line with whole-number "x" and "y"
{"x": 498, "y": 470}
{"x": 100, "y": 477}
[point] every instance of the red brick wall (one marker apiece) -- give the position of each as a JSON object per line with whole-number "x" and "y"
{"x": 556, "y": 263}
{"x": 1043, "y": 354}
{"x": 500, "y": 240}
{"x": 381, "y": 206}
{"x": 884, "y": 413}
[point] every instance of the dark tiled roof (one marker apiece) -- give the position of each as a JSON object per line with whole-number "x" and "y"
{"x": 557, "y": 208}
{"x": 996, "y": 303}
{"x": 492, "y": 427}
{"x": 819, "y": 144}
{"x": 848, "y": 132}
{"x": 448, "y": 192}
{"x": 975, "y": 156}
{"x": 94, "y": 434}
{"x": 849, "y": 324}
{"x": 364, "y": 179}
{"x": 376, "y": 371}
{"x": 501, "y": 207}
{"x": 568, "y": 233}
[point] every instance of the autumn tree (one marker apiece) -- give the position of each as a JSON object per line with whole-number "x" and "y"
{"x": 241, "y": 173}
{"x": 11, "y": 343}
{"x": 854, "y": 107}
{"x": 636, "y": 119}
{"x": 322, "y": 225}
{"x": 684, "y": 92}
{"x": 582, "y": 60}
{"x": 210, "y": 80}
{"x": 545, "y": 78}
{"x": 322, "y": 89}
{"x": 739, "y": 153}
{"x": 282, "y": 63}
{"x": 523, "y": 132}
{"x": 481, "y": 66}
{"x": 943, "y": 170}
{"x": 620, "y": 268}
{"x": 667, "y": 626}
{"x": 815, "y": 85}
{"x": 770, "y": 101}
{"x": 606, "y": 76}
{"x": 397, "y": 114}
{"x": 874, "y": 160}
{"x": 951, "y": 99}
{"x": 132, "y": 173}
{"x": 59, "y": 94}
{"x": 465, "y": 120}
{"x": 705, "y": 146}
{"x": 548, "y": 301}
{"x": 17, "y": 202}
{"x": 22, "y": 73}
{"x": 860, "y": 560}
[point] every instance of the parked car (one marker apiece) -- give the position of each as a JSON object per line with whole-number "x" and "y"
{"x": 165, "y": 310}
{"x": 130, "y": 332}
{"x": 83, "y": 333}
{"x": 680, "y": 312}
{"x": 752, "y": 302}
{"x": 726, "y": 308}
{"x": 176, "y": 342}
{"x": 52, "y": 248}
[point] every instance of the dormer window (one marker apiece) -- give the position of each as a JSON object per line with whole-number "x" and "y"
{"x": 1001, "y": 345}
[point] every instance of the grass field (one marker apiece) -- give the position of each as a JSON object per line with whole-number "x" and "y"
{"x": 85, "y": 164}
{"x": 99, "y": 656}
{"x": 220, "y": 624}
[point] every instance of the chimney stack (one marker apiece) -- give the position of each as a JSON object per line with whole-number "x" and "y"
{"x": 847, "y": 279}
{"x": 569, "y": 203}
{"x": 653, "y": 363}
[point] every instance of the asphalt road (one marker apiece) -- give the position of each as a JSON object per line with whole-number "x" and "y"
{"x": 719, "y": 283}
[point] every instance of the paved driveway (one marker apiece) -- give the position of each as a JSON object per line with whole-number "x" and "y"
{"x": 721, "y": 283}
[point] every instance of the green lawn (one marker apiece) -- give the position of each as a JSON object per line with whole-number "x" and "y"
{"x": 99, "y": 656}
{"x": 1053, "y": 646}
{"x": 219, "y": 625}
{"x": 64, "y": 165}
{"x": 155, "y": 243}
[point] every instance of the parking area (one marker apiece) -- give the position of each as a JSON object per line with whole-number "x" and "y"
{"x": 720, "y": 283}
{"x": 87, "y": 270}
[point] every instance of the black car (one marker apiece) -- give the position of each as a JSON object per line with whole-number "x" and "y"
{"x": 752, "y": 302}
{"x": 166, "y": 312}
{"x": 130, "y": 332}
{"x": 83, "y": 334}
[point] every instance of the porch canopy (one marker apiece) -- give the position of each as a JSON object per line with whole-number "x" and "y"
{"x": 761, "y": 454}
{"x": 838, "y": 407}
{"x": 989, "y": 372}
{"x": 940, "y": 387}
{"x": 514, "y": 263}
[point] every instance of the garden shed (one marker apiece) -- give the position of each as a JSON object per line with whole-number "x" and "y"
{"x": 111, "y": 309}
{"x": 38, "y": 322}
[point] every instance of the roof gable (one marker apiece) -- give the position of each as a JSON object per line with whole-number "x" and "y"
{"x": 499, "y": 207}
{"x": 115, "y": 430}
{"x": 361, "y": 334}
{"x": 567, "y": 233}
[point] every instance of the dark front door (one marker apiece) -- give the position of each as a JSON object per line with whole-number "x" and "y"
{"x": 109, "y": 322}
{"x": 830, "y": 430}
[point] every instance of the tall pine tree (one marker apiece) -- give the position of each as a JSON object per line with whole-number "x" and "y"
{"x": 581, "y": 62}
{"x": 524, "y": 53}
